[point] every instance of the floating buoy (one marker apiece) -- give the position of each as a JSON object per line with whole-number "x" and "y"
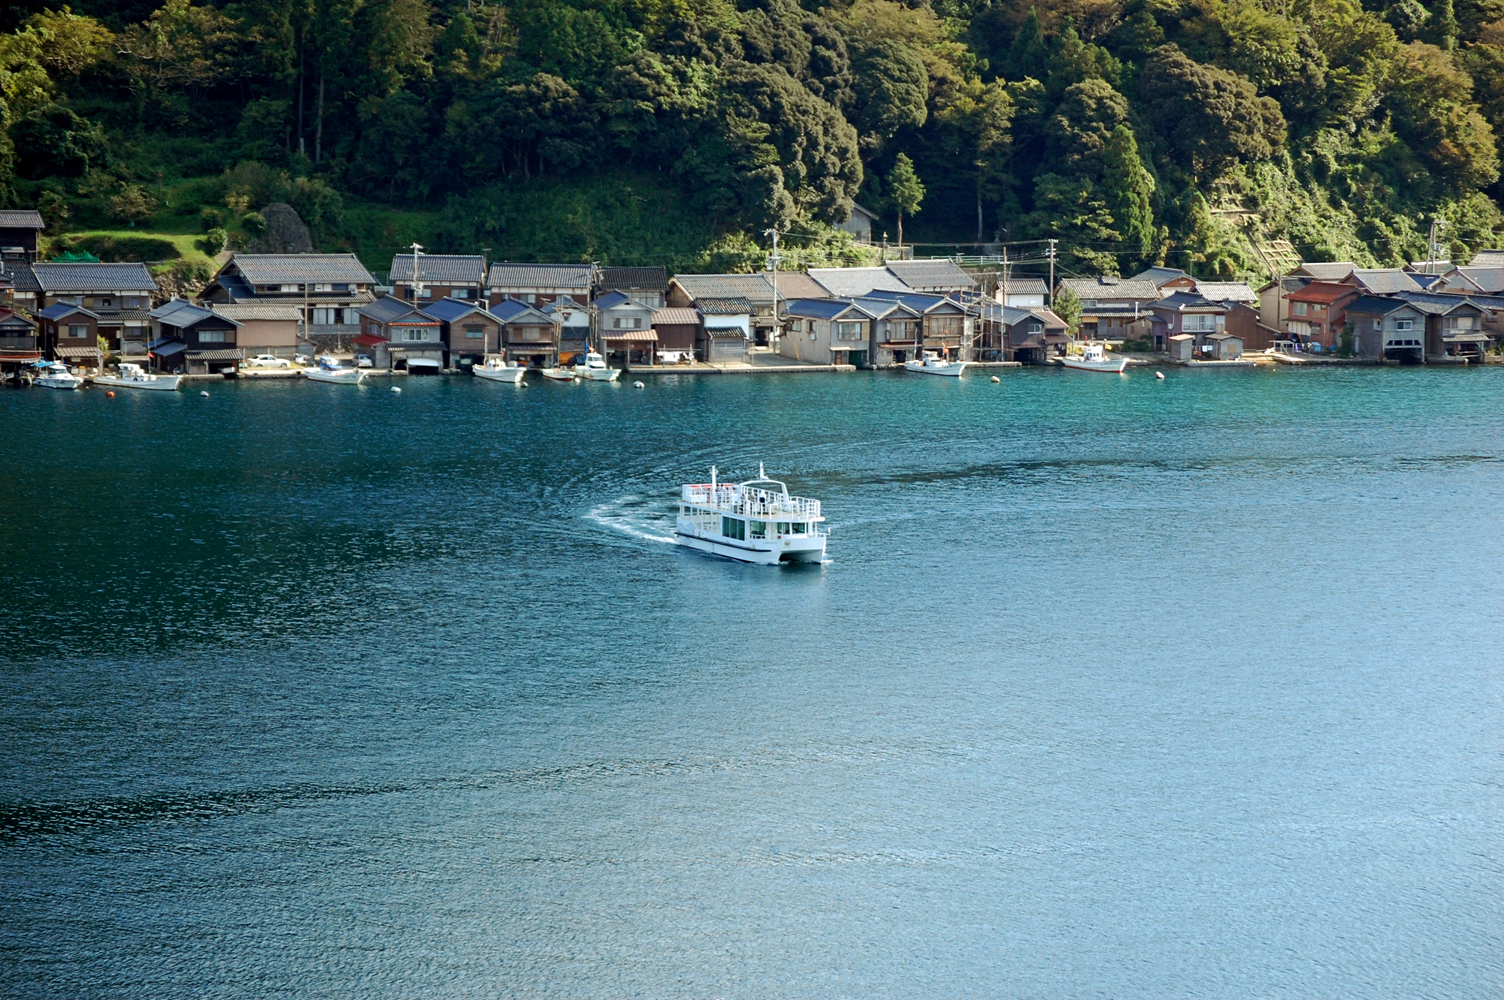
{"x": 996, "y": 379}
{"x": 637, "y": 385}
{"x": 111, "y": 394}
{"x": 396, "y": 388}
{"x": 204, "y": 393}
{"x": 1159, "y": 375}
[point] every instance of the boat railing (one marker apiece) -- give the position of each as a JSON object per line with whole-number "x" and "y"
{"x": 733, "y": 499}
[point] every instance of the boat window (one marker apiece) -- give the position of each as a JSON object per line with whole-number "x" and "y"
{"x": 734, "y": 527}
{"x": 783, "y": 527}
{"x": 759, "y": 529}
{"x": 798, "y": 527}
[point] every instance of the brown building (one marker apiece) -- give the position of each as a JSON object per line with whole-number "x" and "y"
{"x": 1318, "y": 312}
{"x": 20, "y": 340}
{"x": 540, "y": 284}
{"x": 71, "y": 334}
{"x": 118, "y": 295}
{"x": 440, "y": 276}
{"x": 19, "y": 229}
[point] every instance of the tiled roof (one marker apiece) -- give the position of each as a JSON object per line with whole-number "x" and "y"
{"x": 242, "y": 311}
{"x": 58, "y": 310}
{"x": 21, "y": 218}
{"x": 1226, "y": 291}
{"x": 881, "y": 307}
{"x": 825, "y": 308}
{"x": 386, "y": 309}
{"x": 676, "y": 316}
{"x": 1321, "y": 291}
{"x": 920, "y": 302}
{"x": 1327, "y": 270}
{"x": 848, "y": 281}
{"x": 613, "y": 299}
{"x": 1487, "y": 258}
{"x": 1186, "y": 300}
{"x": 1375, "y": 305}
{"x": 516, "y": 311}
{"x": 1489, "y": 280}
{"x": 648, "y": 279}
{"x": 22, "y": 277}
{"x": 1438, "y": 303}
{"x": 301, "y": 268}
{"x": 443, "y": 269}
{"x": 754, "y": 288}
{"x": 1382, "y": 281}
{"x": 94, "y": 277}
{"x": 541, "y": 277}
{"x": 1109, "y": 289}
{"x": 1023, "y": 285}
{"x": 181, "y": 313}
{"x": 448, "y": 310}
{"x": 1159, "y": 275}
{"x": 944, "y": 275}
{"x": 724, "y": 307}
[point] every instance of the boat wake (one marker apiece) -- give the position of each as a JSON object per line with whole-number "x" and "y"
{"x": 631, "y": 516}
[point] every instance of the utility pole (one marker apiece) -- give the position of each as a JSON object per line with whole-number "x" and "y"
{"x": 1432, "y": 247}
{"x": 1050, "y": 253}
{"x": 773, "y": 340}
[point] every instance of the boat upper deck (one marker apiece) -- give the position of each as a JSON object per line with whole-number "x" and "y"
{"x": 751, "y": 499}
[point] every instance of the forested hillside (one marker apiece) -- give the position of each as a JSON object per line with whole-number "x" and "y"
{"x": 675, "y": 131}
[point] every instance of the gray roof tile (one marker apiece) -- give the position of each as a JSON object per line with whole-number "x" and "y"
{"x": 90, "y": 277}
{"x": 648, "y": 279}
{"x": 443, "y": 269}
{"x": 541, "y": 277}
{"x": 21, "y": 218}
{"x": 925, "y": 275}
{"x": 301, "y": 268}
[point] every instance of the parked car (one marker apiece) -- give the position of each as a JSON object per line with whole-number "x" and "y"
{"x": 267, "y": 361}
{"x": 362, "y": 361}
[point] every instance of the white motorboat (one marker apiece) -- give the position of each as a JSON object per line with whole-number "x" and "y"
{"x": 756, "y": 521}
{"x": 133, "y": 376}
{"x": 560, "y": 374}
{"x": 1093, "y": 358}
{"x": 55, "y": 375}
{"x": 933, "y": 364}
{"x": 497, "y": 370}
{"x": 595, "y": 370}
{"x": 328, "y": 370}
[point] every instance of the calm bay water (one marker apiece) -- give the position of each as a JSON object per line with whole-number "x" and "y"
{"x": 1112, "y": 688}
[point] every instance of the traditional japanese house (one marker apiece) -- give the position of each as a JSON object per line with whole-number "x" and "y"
{"x": 469, "y": 330}
{"x": 854, "y": 282}
{"x": 118, "y": 294}
{"x": 529, "y": 336}
{"x": 936, "y": 277}
{"x": 329, "y": 289}
{"x": 894, "y": 332}
{"x": 1166, "y": 280}
{"x": 410, "y": 339}
{"x": 624, "y": 328}
{"x": 647, "y": 285}
{"x": 1318, "y": 313}
{"x": 193, "y": 337}
{"x": 1028, "y": 336}
{"x": 1389, "y": 329}
{"x": 19, "y": 230}
{"x": 1187, "y": 313}
{"x": 70, "y": 334}
{"x": 677, "y": 327}
{"x": 540, "y": 284}
{"x": 826, "y": 331}
{"x": 946, "y": 326}
{"x": 1023, "y": 291}
{"x": 725, "y": 330}
{"x": 1114, "y": 308}
{"x": 439, "y": 276}
{"x": 20, "y": 340}
{"x": 265, "y": 327}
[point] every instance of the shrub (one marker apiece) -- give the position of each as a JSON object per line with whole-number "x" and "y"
{"x": 124, "y": 248}
{"x": 253, "y": 223}
{"x": 133, "y": 204}
{"x": 210, "y": 219}
{"x": 214, "y": 241}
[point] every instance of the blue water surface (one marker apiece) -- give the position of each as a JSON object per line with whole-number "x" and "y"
{"x": 1112, "y": 687}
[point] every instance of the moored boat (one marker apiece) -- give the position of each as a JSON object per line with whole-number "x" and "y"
{"x": 55, "y": 375}
{"x": 756, "y": 521}
{"x": 595, "y": 369}
{"x": 497, "y": 370}
{"x": 328, "y": 370}
{"x": 560, "y": 374}
{"x": 1093, "y": 358}
{"x": 933, "y": 364}
{"x": 133, "y": 376}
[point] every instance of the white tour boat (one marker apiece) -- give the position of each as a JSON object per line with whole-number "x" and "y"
{"x": 133, "y": 376}
{"x": 1093, "y": 358}
{"x": 328, "y": 370}
{"x": 933, "y": 364}
{"x": 755, "y": 521}
{"x": 594, "y": 369}
{"x": 55, "y": 375}
{"x": 497, "y": 370}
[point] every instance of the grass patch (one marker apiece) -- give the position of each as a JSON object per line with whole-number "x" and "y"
{"x": 134, "y": 245}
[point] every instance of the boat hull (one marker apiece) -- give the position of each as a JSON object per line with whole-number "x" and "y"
{"x": 810, "y": 549}
{"x": 345, "y": 376}
{"x": 161, "y": 383}
{"x": 1110, "y": 367}
{"x": 602, "y": 375}
{"x": 559, "y": 374}
{"x": 950, "y": 368}
{"x": 54, "y": 382}
{"x": 498, "y": 374}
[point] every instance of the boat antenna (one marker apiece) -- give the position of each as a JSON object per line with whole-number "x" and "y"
{"x": 712, "y": 477}
{"x": 761, "y": 474}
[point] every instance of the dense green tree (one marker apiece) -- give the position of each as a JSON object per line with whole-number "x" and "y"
{"x": 1083, "y": 123}
{"x": 1128, "y": 190}
{"x": 891, "y": 91}
{"x": 1431, "y": 100}
{"x": 905, "y": 191}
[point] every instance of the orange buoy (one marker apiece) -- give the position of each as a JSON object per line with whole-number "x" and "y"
{"x": 111, "y": 394}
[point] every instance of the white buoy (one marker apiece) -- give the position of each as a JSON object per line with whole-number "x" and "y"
{"x": 637, "y": 385}
{"x": 1159, "y": 375}
{"x": 396, "y": 388}
{"x": 205, "y": 394}
{"x": 996, "y": 379}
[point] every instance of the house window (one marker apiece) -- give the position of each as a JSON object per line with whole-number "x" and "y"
{"x": 1404, "y": 325}
{"x": 848, "y": 331}
{"x": 288, "y": 288}
{"x": 131, "y": 302}
{"x": 1297, "y": 309}
{"x": 1199, "y": 323}
{"x": 212, "y": 337}
{"x": 945, "y": 326}
{"x": 1459, "y": 322}
{"x": 1036, "y": 327}
{"x": 106, "y": 303}
{"x": 474, "y": 332}
{"x": 414, "y": 335}
{"x": 323, "y": 286}
{"x": 529, "y": 297}
{"x": 734, "y": 527}
{"x": 78, "y": 331}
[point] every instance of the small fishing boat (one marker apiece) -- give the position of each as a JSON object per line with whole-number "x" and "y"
{"x": 1093, "y": 358}
{"x": 756, "y": 521}
{"x": 328, "y": 370}
{"x": 55, "y": 375}
{"x": 595, "y": 370}
{"x": 933, "y": 364}
{"x": 497, "y": 370}
{"x": 560, "y": 374}
{"x": 133, "y": 376}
